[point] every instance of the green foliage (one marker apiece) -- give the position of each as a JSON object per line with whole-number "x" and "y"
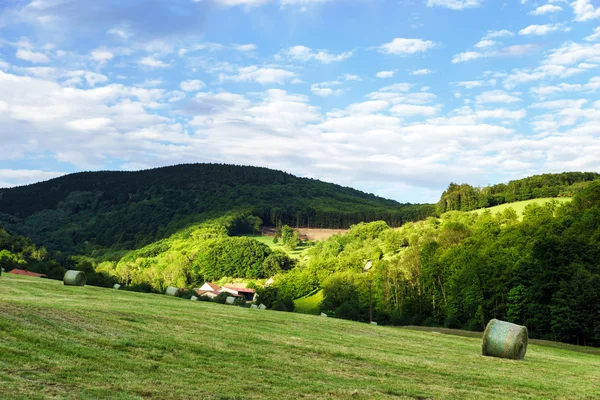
{"x": 103, "y": 213}
{"x": 466, "y": 197}
{"x": 465, "y": 268}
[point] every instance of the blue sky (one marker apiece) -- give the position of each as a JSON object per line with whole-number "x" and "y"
{"x": 397, "y": 98}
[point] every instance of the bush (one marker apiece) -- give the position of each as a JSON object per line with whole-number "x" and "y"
{"x": 349, "y": 310}
{"x": 267, "y": 295}
{"x": 417, "y": 319}
{"x": 430, "y": 321}
{"x": 452, "y": 322}
{"x": 399, "y": 319}
{"x": 221, "y": 298}
{"x": 279, "y": 305}
{"x": 472, "y": 325}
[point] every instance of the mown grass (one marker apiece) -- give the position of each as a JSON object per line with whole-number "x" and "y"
{"x": 519, "y": 206}
{"x": 309, "y": 304}
{"x": 89, "y": 343}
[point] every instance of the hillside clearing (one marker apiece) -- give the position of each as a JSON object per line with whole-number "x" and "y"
{"x": 519, "y": 206}
{"x": 309, "y": 304}
{"x": 73, "y": 342}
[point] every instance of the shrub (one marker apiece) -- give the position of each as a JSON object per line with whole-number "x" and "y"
{"x": 431, "y": 321}
{"x": 279, "y": 305}
{"x": 221, "y": 298}
{"x": 349, "y": 310}
{"x": 452, "y": 322}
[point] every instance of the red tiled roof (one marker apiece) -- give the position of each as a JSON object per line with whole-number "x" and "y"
{"x": 201, "y": 292}
{"x": 240, "y": 290}
{"x": 213, "y": 286}
{"x": 25, "y": 272}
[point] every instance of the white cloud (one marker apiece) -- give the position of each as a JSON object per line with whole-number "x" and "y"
{"x": 496, "y": 96}
{"x": 326, "y": 89}
{"x": 32, "y": 56}
{"x": 120, "y": 32}
{"x": 454, "y": 4}
{"x": 102, "y": 55}
{"x": 17, "y": 177}
{"x": 385, "y": 74}
{"x": 546, "y": 9}
{"x": 350, "y": 77}
{"x": 303, "y": 53}
{"x": 260, "y": 75}
{"x": 193, "y": 85}
{"x": 469, "y": 84}
{"x": 245, "y": 47}
{"x": 498, "y": 34}
{"x": 483, "y": 43}
{"x": 594, "y": 36}
{"x": 466, "y": 56}
{"x": 541, "y": 30}
{"x": 152, "y": 62}
{"x": 584, "y": 10}
{"x": 423, "y": 71}
{"x": 400, "y": 46}
{"x": 411, "y": 110}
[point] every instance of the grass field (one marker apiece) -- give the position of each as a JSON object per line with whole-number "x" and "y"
{"x": 299, "y": 252}
{"x": 90, "y": 343}
{"x": 309, "y": 304}
{"x": 519, "y": 206}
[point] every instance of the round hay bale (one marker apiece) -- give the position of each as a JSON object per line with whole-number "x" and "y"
{"x": 505, "y": 340}
{"x": 74, "y": 278}
{"x": 172, "y": 291}
{"x": 116, "y": 286}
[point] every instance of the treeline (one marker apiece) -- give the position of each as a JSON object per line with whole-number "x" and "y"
{"x": 94, "y": 213}
{"x": 464, "y": 269}
{"x": 467, "y": 198}
{"x": 18, "y": 252}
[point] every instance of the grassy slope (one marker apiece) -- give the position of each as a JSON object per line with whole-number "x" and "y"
{"x": 519, "y": 206}
{"x": 298, "y": 253}
{"x": 72, "y": 342}
{"x": 309, "y": 304}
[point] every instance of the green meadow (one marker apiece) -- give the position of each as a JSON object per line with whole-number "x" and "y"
{"x": 519, "y": 206}
{"x": 94, "y": 343}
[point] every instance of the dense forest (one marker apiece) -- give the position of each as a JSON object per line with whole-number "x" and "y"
{"x": 463, "y": 269}
{"x": 89, "y": 212}
{"x": 467, "y": 198}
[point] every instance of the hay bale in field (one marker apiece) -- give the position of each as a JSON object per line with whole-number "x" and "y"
{"x": 172, "y": 291}
{"x": 74, "y": 278}
{"x": 373, "y": 323}
{"x": 116, "y": 286}
{"x": 323, "y": 315}
{"x": 505, "y": 340}
{"x": 262, "y": 307}
{"x": 253, "y": 306}
{"x": 230, "y": 300}
{"x": 193, "y": 298}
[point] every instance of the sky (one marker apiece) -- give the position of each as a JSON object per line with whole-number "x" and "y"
{"x": 396, "y": 98}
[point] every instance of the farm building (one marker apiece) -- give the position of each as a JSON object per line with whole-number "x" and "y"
{"x": 248, "y": 294}
{"x": 211, "y": 290}
{"x": 17, "y": 271}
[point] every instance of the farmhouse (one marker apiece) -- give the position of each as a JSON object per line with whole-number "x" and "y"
{"x": 248, "y": 294}
{"x": 17, "y": 271}
{"x": 209, "y": 290}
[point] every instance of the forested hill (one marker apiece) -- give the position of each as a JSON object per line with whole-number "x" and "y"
{"x": 125, "y": 210}
{"x": 467, "y": 198}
